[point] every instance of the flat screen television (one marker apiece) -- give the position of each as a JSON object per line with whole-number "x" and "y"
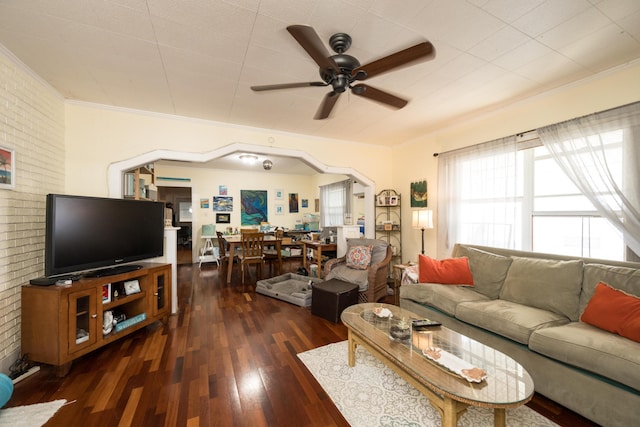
{"x": 84, "y": 233}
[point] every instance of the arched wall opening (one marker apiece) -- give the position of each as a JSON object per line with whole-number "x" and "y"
{"x": 115, "y": 172}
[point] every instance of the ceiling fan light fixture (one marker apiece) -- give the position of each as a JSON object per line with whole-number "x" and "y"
{"x": 341, "y": 70}
{"x": 249, "y": 158}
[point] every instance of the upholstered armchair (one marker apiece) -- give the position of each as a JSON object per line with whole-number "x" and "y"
{"x": 372, "y": 280}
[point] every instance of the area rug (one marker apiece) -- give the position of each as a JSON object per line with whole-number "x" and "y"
{"x": 370, "y": 394}
{"x": 35, "y": 415}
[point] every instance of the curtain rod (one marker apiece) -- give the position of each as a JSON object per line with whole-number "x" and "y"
{"x": 521, "y": 136}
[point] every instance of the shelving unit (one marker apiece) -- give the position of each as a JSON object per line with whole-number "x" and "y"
{"x": 62, "y": 323}
{"x": 139, "y": 183}
{"x": 388, "y": 223}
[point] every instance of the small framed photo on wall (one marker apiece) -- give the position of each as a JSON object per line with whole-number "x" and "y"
{"x": 223, "y": 218}
{"x": 7, "y": 168}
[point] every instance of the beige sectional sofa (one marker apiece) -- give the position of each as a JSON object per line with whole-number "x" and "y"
{"x": 528, "y": 305}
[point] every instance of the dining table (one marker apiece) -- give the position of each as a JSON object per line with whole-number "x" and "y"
{"x": 235, "y": 241}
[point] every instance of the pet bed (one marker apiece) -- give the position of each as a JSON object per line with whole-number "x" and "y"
{"x": 288, "y": 287}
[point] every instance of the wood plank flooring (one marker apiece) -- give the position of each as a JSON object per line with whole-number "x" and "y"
{"x": 226, "y": 359}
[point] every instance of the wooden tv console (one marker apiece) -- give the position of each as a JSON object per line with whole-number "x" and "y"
{"x": 63, "y": 322}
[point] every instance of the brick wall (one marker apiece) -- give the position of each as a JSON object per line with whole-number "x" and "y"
{"x": 32, "y": 124}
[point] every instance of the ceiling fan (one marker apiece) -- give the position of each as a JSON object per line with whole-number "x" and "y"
{"x": 341, "y": 71}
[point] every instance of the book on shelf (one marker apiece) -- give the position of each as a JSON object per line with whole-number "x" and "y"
{"x": 131, "y": 321}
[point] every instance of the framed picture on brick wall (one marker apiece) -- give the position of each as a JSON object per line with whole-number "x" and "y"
{"x": 7, "y": 168}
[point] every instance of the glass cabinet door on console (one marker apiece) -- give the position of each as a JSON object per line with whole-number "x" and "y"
{"x": 83, "y": 319}
{"x": 161, "y": 287}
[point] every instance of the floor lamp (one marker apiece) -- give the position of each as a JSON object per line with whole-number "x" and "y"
{"x": 423, "y": 219}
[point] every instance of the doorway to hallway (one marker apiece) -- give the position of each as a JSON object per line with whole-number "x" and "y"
{"x": 179, "y": 199}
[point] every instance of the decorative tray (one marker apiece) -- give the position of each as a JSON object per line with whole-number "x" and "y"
{"x": 456, "y": 365}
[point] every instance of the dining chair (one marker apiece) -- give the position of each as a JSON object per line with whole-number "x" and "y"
{"x": 252, "y": 253}
{"x": 273, "y": 254}
{"x": 223, "y": 256}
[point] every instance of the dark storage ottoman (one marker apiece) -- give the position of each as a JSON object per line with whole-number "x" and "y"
{"x": 329, "y": 298}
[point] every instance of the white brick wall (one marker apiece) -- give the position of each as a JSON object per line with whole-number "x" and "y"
{"x": 32, "y": 124}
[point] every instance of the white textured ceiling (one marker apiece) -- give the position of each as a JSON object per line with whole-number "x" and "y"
{"x": 198, "y": 58}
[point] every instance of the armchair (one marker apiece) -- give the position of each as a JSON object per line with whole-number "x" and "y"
{"x": 372, "y": 281}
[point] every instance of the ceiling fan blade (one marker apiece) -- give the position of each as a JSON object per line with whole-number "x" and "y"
{"x": 286, "y": 86}
{"x": 378, "y": 95}
{"x": 421, "y": 51}
{"x": 326, "y": 106}
{"x": 308, "y": 38}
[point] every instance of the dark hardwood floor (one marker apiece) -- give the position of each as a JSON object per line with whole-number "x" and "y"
{"x": 227, "y": 358}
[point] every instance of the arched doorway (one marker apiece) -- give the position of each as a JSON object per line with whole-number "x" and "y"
{"x": 116, "y": 170}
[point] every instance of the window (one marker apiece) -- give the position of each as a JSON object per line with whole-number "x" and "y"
{"x": 335, "y": 202}
{"x": 564, "y": 221}
{"x": 480, "y": 196}
{"x": 501, "y": 194}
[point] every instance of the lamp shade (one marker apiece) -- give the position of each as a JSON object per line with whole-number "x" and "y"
{"x": 423, "y": 218}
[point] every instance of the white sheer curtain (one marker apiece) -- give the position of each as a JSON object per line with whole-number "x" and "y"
{"x": 335, "y": 202}
{"x": 584, "y": 148}
{"x": 480, "y": 196}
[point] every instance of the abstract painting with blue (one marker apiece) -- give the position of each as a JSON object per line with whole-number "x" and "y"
{"x": 253, "y": 205}
{"x": 222, "y": 204}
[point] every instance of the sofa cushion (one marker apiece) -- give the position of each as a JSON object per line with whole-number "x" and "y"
{"x": 593, "y": 349}
{"x": 509, "y": 319}
{"x": 444, "y": 298}
{"x": 622, "y": 278}
{"x": 614, "y": 311}
{"x": 452, "y": 271}
{"x": 351, "y": 275}
{"x": 359, "y": 257}
{"x": 379, "y": 251}
{"x": 546, "y": 284}
{"x": 488, "y": 270}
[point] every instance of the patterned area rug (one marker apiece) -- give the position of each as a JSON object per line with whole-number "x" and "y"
{"x": 370, "y": 394}
{"x": 30, "y": 415}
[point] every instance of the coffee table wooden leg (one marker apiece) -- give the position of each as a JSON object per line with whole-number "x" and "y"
{"x": 499, "y": 417}
{"x": 352, "y": 351}
{"x": 449, "y": 413}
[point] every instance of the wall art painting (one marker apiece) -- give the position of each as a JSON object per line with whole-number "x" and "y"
{"x": 419, "y": 194}
{"x": 222, "y": 190}
{"x": 279, "y": 194}
{"x": 253, "y": 207}
{"x": 293, "y": 202}
{"x": 222, "y": 204}
{"x": 204, "y": 203}
{"x": 223, "y": 218}
{"x": 7, "y": 168}
{"x": 305, "y": 203}
{"x": 279, "y": 209}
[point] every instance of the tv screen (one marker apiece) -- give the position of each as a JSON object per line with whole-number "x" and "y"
{"x": 85, "y": 233}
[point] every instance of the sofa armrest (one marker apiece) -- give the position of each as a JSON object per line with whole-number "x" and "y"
{"x": 334, "y": 262}
{"x": 377, "y": 278}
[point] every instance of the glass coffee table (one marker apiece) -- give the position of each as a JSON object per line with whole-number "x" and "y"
{"x": 450, "y": 369}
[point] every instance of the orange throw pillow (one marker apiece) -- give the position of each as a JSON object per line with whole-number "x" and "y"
{"x": 614, "y": 311}
{"x": 452, "y": 271}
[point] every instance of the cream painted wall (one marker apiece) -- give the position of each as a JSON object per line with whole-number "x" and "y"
{"x": 415, "y": 160}
{"x": 205, "y": 184}
{"x": 97, "y": 136}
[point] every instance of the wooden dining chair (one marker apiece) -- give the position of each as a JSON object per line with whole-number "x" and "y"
{"x": 223, "y": 255}
{"x": 252, "y": 253}
{"x": 273, "y": 254}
